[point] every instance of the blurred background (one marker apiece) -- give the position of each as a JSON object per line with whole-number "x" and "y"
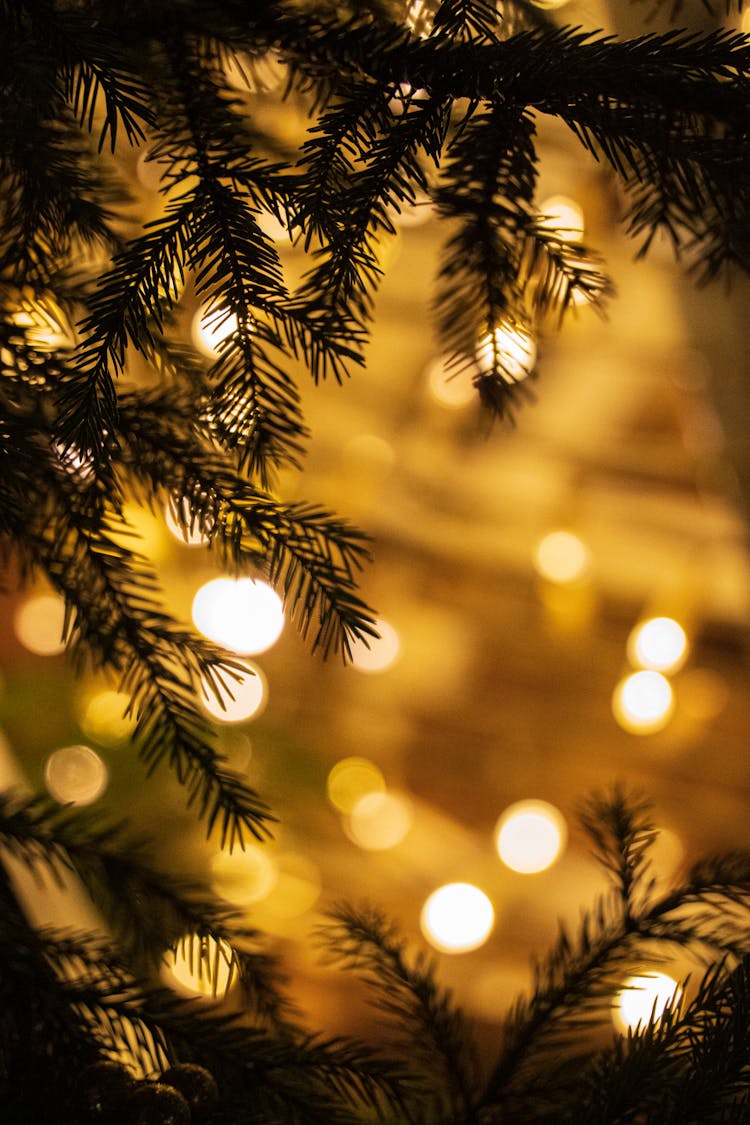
{"x": 564, "y": 605}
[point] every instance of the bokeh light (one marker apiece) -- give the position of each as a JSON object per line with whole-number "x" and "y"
{"x": 378, "y": 653}
{"x": 350, "y": 780}
{"x": 516, "y": 348}
{"x": 211, "y": 326}
{"x": 201, "y": 967}
{"x": 562, "y": 557}
{"x": 75, "y": 775}
{"x": 643, "y": 702}
{"x": 457, "y": 918}
{"x": 379, "y": 821}
{"x": 240, "y": 699}
{"x": 242, "y": 614}
{"x": 452, "y": 388}
{"x": 659, "y": 644}
{"x": 38, "y": 624}
{"x": 244, "y": 877}
{"x": 530, "y": 836}
{"x": 104, "y": 718}
{"x": 296, "y": 890}
{"x": 185, "y": 530}
{"x": 563, "y": 217}
{"x": 643, "y": 999}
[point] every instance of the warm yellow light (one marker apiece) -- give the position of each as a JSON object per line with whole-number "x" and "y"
{"x": 75, "y": 775}
{"x": 241, "y": 614}
{"x": 516, "y": 348}
{"x": 530, "y": 835}
{"x": 211, "y": 326}
{"x": 104, "y": 718}
{"x": 452, "y": 388}
{"x": 562, "y": 216}
{"x": 745, "y": 22}
{"x": 407, "y": 99}
{"x": 562, "y": 557}
{"x": 187, "y": 530}
{"x": 380, "y": 652}
{"x": 350, "y": 780}
{"x": 549, "y": 5}
{"x": 643, "y": 999}
{"x": 297, "y": 888}
{"x": 38, "y": 624}
{"x": 643, "y": 702}
{"x": 243, "y": 877}
{"x": 704, "y": 694}
{"x": 240, "y": 700}
{"x": 201, "y": 967}
{"x": 379, "y": 821}
{"x": 659, "y": 644}
{"x": 457, "y": 918}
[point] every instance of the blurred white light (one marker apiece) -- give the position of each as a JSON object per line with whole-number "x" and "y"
{"x": 38, "y": 624}
{"x": 644, "y": 998}
{"x": 643, "y": 702}
{"x": 530, "y": 835}
{"x": 451, "y": 388}
{"x": 185, "y": 530}
{"x": 380, "y": 652}
{"x": 516, "y": 348}
{"x": 457, "y": 918}
{"x": 240, "y": 700}
{"x": 659, "y": 644}
{"x": 407, "y": 99}
{"x": 211, "y": 326}
{"x": 562, "y": 557}
{"x": 75, "y": 775}
{"x": 206, "y": 975}
{"x": 242, "y": 614}
{"x": 379, "y": 821}
{"x": 563, "y": 217}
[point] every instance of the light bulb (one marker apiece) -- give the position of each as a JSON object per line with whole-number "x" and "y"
{"x": 211, "y": 326}
{"x": 38, "y": 624}
{"x": 643, "y": 702}
{"x": 643, "y": 999}
{"x": 530, "y": 835}
{"x": 452, "y": 388}
{"x": 562, "y": 557}
{"x": 75, "y": 775}
{"x": 240, "y": 700}
{"x": 377, "y": 653}
{"x": 242, "y": 614}
{"x": 563, "y": 217}
{"x": 201, "y": 966}
{"x": 457, "y": 918}
{"x": 516, "y": 348}
{"x": 659, "y": 644}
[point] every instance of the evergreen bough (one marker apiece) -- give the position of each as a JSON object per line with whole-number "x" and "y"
{"x": 433, "y": 102}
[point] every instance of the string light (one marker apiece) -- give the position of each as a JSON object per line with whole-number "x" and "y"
{"x": 530, "y": 836}
{"x": 562, "y": 557}
{"x": 457, "y": 918}
{"x": 643, "y": 999}
{"x": 643, "y": 702}
{"x": 563, "y": 217}
{"x": 242, "y": 614}
{"x": 201, "y": 966}
{"x": 350, "y": 780}
{"x": 659, "y": 644}
{"x": 211, "y": 326}
{"x": 75, "y": 775}
{"x": 516, "y": 349}
{"x": 378, "y": 653}
{"x": 185, "y": 529}
{"x": 38, "y": 624}
{"x": 240, "y": 700}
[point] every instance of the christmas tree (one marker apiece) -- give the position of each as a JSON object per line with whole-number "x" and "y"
{"x": 103, "y": 400}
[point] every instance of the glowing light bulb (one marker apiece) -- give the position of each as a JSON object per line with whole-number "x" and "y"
{"x": 407, "y": 99}
{"x": 452, "y": 388}
{"x": 211, "y": 326}
{"x": 75, "y": 775}
{"x": 378, "y": 653}
{"x": 530, "y": 836}
{"x": 457, "y": 918}
{"x": 201, "y": 966}
{"x": 659, "y": 644}
{"x": 240, "y": 700}
{"x": 242, "y": 614}
{"x": 643, "y": 702}
{"x": 516, "y": 349}
{"x": 184, "y": 529}
{"x": 379, "y": 821}
{"x": 562, "y": 557}
{"x": 38, "y": 624}
{"x": 350, "y": 780}
{"x": 643, "y": 999}
{"x": 562, "y": 216}
{"x": 243, "y": 878}
{"x": 105, "y": 718}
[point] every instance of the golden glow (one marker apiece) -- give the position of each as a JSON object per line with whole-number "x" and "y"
{"x": 211, "y": 326}
{"x": 380, "y": 652}
{"x": 75, "y": 775}
{"x": 297, "y": 888}
{"x": 562, "y": 216}
{"x": 104, "y": 718}
{"x": 406, "y": 99}
{"x": 350, "y": 780}
{"x": 643, "y": 702}
{"x": 704, "y": 694}
{"x": 530, "y": 836}
{"x": 516, "y": 349}
{"x": 187, "y": 532}
{"x": 452, "y": 388}
{"x": 201, "y": 967}
{"x": 549, "y": 5}
{"x": 379, "y": 821}
{"x": 745, "y": 22}
{"x": 241, "y": 614}
{"x": 457, "y": 918}
{"x": 643, "y": 999}
{"x": 240, "y": 700}
{"x": 562, "y": 557}
{"x": 659, "y": 644}
{"x": 38, "y": 624}
{"x": 243, "y": 877}
{"x": 142, "y": 531}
